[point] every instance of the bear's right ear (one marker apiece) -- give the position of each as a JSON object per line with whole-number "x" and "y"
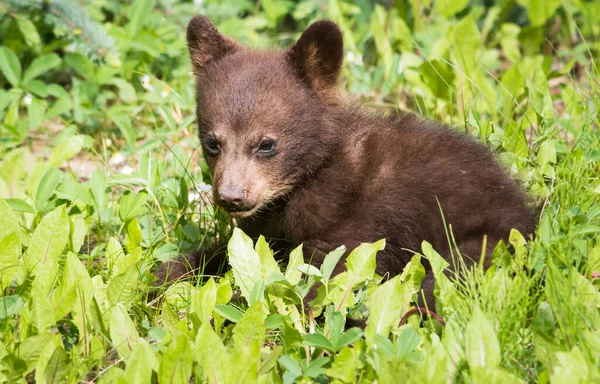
{"x": 206, "y": 44}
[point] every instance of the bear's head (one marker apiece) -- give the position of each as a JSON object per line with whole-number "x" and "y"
{"x": 265, "y": 118}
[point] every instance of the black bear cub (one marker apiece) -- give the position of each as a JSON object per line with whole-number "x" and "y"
{"x": 290, "y": 161}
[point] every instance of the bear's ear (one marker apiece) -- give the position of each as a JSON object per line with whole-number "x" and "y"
{"x": 318, "y": 55}
{"x": 206, "y": 44}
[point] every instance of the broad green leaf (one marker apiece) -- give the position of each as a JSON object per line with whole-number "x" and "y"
{"x": 20, "y": 205}
{"x": 251, "y": 328}
{"x": 78, "y": 232}
{"x": 127, "y": 262}
{"x": 386, "y": 306}
{"x": 212, "y": 355}
{"x": 98, "y": 185}
{"x": 331, "y": 260}
{"x": 80, "y": 63}
{"x": 360, "y": 266}
{"x": 449, "y": 8}
{"x": 292, "y": 274}
{"x": 10, "y": 250}
{"x": 498, "y": 376}
{"x": 10, "y": 305}
{"x": 127, "y": 92}
{"x": 132, "y": 204}
{"x": 435, "y": 365}
{"x": 13, "y": 369}
{"x": 66, "y": 150}
{"x": 291, "y": 365}
{"x": 10, "y": 66}
{"x": 224, "y": 292}
{"x": 381, "y": 37}
{"x": 570, "y": 367}
{"x": 344, "y": 366}
{"x": 310, "y": 270}
{"x": 28, "y": 30}
{"x": 229, "y": 312}
{"x": 114, "y": 252}
{"x": 36, "y": 113}
{"x": 47, "y": 187}
{"x": 318, "y": 340}
{"x": 250, "y": 354}
{"x": 443, "y": 287}
{"x": 42, "y": 312}
{"x": 64, "y": 297}
{"x": 74, "y": 292}
{"x": 361, "y": 262}
{"x": 77, "y": 274}
{"x": 123, "y": 334}
{"x": 58, "y": 367}
{"x": 245, "y": 262}
{"x": 8, "y": 220}
{"x": 539, "y": 10}
{"x": 40, "y": 65}
{"x": 466, "y": 43}
{"x": 139, "y": 12}
{"x": 392, "y": 299}
{"x": 13, "y": 169}
{"x": 408, "y": 340}
{"x": 204, "y": 300}
{"x": 546, "y": 157}
{"x": 141, "y": 362}
{"x": 48, "y": 242}
{"x": 123, "y": 288}
{"x": 269, "y": 265}
{"x": 46, "y": 357}
{"x": 123, "y": 121}
{"x": 133, "y": 235}
{"x": 483, "y": 349}
{"x": 539, "y": 94}
{"x": 32, "y": 347}
{"x": 97, "y": 320}
{"x": 275, "y": 10}
{"x": 176, "y": 363}
{"x": 315, "y": 367}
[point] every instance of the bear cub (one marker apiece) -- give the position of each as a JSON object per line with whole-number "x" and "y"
{"x": 290, "y": 161}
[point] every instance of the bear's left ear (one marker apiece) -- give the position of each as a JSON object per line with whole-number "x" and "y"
{"x": 318, "y": 57}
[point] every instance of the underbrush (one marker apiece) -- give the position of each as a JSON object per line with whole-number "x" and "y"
{"x": 101, "y": 180}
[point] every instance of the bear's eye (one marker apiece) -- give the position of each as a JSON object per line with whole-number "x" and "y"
{"x": 212, "y": 146}
{"x": 267, "y": 147}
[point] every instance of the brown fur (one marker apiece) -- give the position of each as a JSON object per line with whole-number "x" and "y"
{"x": 337, "y": 175}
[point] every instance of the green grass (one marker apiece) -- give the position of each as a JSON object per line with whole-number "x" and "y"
{"x": 101, "y": 180}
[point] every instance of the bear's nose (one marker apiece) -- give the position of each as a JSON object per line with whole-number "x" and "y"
{"x": 232, "y": 198}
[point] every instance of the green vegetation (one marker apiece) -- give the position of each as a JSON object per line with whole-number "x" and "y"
{"x": 101, "y": 179}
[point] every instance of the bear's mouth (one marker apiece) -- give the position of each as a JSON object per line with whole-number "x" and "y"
{"x": 241, "y": 213}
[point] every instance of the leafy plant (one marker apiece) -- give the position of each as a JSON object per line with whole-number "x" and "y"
{"x": 101, "y": 180}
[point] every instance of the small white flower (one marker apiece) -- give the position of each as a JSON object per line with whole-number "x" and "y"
{"x": 145, "y": 81}
{"x": 198, "y": 3}
{"x": 400, "y": 67}
{"x": 354, "y": 58}
{"x": 165, "y": 92}
{"x": 116, "y": 159}
{"x": 126, "y": 170}
{"x": 70, "y": 48}
{"x": 192, "y": 196}
{"x": 203, "y": 187}
{"x": 108, "y": 142}
{"x": 28, "y": 99}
